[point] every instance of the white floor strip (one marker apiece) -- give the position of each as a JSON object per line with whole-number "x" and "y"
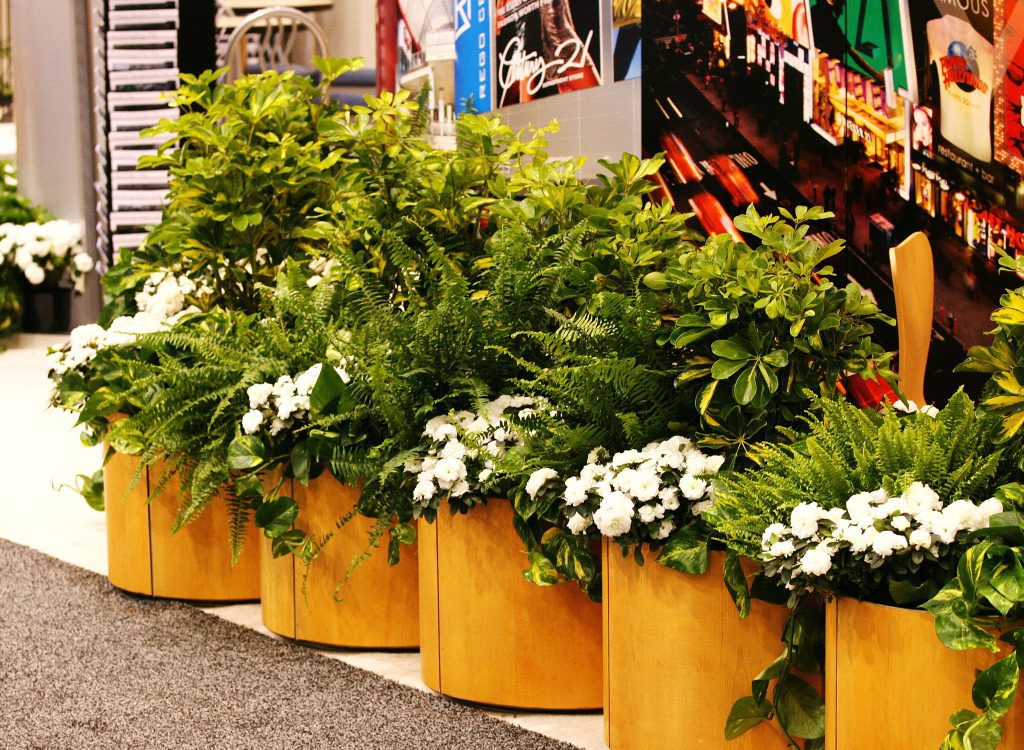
{"x": 41, "y": 452}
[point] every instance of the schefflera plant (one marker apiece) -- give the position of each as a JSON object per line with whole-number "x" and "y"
{"x": 758, "y": 326}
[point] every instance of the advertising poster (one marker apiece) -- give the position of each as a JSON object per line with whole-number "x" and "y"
{"x": 955, "y": 51}
{"x": 545, "y": 47}
{"x": 423, "y": 25}
{"x": 785, "y": 18}
{"x": 473, "y": 55}
{"x": 626, "y": 38}
{"x": 715, "y": 10}
{"x": 1011, "y": 55}
{"x": 865, "y": 35}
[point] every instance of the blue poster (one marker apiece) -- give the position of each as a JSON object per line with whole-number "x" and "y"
{"x": 473, "y": 55}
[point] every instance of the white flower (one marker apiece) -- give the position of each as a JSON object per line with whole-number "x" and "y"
{"x": 990, "y": 507}
{"x": 666, "y": 528}
{"x": 35, "y": 274}
{"x": 785, "y": 548}
{"x": 817, "y": 561}
{"x": 918, "y": 498}
{"x": 696, "y": 462}
{"x": 900, "y": 523}
{"x": 83, "y": 263}
{"x": 645, "y": 486}
{"x": 772, "y": 533}
{"x": 804, "y": 520}
{"x": 423, "y": 490}
{"x": 575, "y": 491}
{"x": 484, "y": 475}
{"x": 712, "y": 464}
{"x": 252, "y": 421}
{"x": 912, "y": 408}
{"x": 625, "y": 458}
{"x": 597, "y": 454}
{"x": 578, "y": 524}
{"x": 650, "y": 513}
{"x": 860, "y": 508}
{"x": 615, "y": 515}
{"x": 623, "y": 481}
{"x": 447, "y": 471}
{"x": 920, "y": 538}
{"x": 453, "y": 449}
{"x": 305, "y": 381}
{"x": 313, "y": 280}
{"x": 702, "y": 507}
{"x": 259, "y": 394}
{"x": 888, "y": 542}
{"x": 538, "y": 479}
{"x": 669, "y": 498}
{"x": 691, "y": 487}
{"x": 460, "y": 488}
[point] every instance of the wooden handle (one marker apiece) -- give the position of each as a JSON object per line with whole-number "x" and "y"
{"x": 913, "y": 280}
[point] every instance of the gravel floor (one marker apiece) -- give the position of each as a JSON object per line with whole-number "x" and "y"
{"x": 84, "y": 666}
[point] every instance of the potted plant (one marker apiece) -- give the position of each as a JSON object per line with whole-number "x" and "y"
{"x": 870, "y": 517}
{"x": 743, "y": 332}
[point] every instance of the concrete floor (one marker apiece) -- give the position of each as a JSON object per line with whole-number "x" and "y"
{"x": 42, "y": 453}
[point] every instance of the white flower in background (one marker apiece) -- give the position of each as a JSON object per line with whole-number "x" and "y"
{"x": 50, "y": 248}
{"x": 578, "y": 524}
{"x": 448, "y": 471}
{"x": 773, "y": 532}
{"x": 575, "y": 491}
{"x": 663, "y": 531}
{"x": 669, "y": 498}
{"x": 284, "y": 403}
{"x": 651, "y": 513}
{"x": 538, "y": 479}
{"x": 34, "y": 274}
{"x": 909, "y": 407}
{"x": 83, "y": 262}
{"x": 692, "y": 487}
{"x": 252, "y": 421}
{"x": 784, "y": 548}
{"x": 614, "y": 516}
{"x": 424, "y": 490}
{"x": 259, "y": 394}
{"x": 597, "y": 455}
{"x": 888, "y": 542}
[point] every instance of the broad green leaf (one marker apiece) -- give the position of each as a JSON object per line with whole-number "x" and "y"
{"x": 745, "y": 388}
{"x": 736, "y": 583}
{"x": 541, "y": 572}
{"x": 287, "y": 542}
{"x": 330, "y": 391}
{"x": 570, "y": 553}
{"x": 686, "y": 551}
{"x": 246, "y": 452}
{"x": 276, "y": 516}
{"x": 731, "y": 349}
{"x": 746, "y": 714}
{"x": 726, "y": 368}
{"x": 800, "y": 709}
{"x": 995, "y": 688}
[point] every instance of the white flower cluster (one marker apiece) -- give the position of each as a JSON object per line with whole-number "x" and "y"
{"x": 649, "y": 492}
{"x": 285, "y": 403}
{"x": 911, "y": 407}
{"x": 41, "y": 249}
{"x": 873, "y": 527}
{"x": 318, "y": 268}
{"x": 464, "y": 449}
{"x": 164, "y": 294}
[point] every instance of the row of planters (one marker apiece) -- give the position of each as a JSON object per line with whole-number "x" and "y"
{"x": 454, "y": 400}
{"x": 42, "y": 262}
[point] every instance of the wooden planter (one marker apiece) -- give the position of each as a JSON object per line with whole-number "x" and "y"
{"x": 379, "y": 606}
{"x": 677, "y": 656}
{"x": 890, "y": 682}
{"x": 490, "y": 636}
{"x": 146, "y": 558}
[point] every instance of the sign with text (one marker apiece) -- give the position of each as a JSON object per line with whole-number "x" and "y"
{"x": 546, "y": 47}
{"x": 473, "y": 55}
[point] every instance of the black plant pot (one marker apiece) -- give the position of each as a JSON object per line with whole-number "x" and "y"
{"x": 46, "y": 308}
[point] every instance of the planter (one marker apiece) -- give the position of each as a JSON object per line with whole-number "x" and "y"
{"x": 890, "y": 682}
{"x": 46, "y": 308}
{"x": 146, "y": 558}
{"x": 379, "y": 605}
{"x": 490, "y": 636}
{"x": 677, "y": 656}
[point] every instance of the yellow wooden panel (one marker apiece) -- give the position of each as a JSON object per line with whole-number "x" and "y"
{"x": 128, "y": 558}
{"x": 195, "y": 563}
{"x": 913, "y": 280}
{"x": 606, "y": 683}
{"x": 503, "y": 640}
{"x": 277, "y": 585}
{"x": 896, "y": 685}
{"x": 379, "y": 605}
{"x": 430, "y": 652}
{"x": 679, "y": 657}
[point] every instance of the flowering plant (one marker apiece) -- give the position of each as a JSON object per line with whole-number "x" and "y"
{"x": 45, "y": 251}
{"x": 285, "y": 403}
{"x": 878, "y": 506}
{"x": 464, "y": 451}
{"x": 641, "y": 496}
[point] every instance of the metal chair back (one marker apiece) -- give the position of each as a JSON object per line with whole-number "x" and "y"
{"x": 276, "y": 31}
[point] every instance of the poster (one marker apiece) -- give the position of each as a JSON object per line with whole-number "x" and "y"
{"x": 714, "y": 9}
{"x": 956, "y": 60}
{"x": 626, "y": 39}
{"x": 423, "y": 26}
{"x": 786, "y": 18}
{"x": 545, "y": 47}
{"x": 866, "y": 35}
{"x": 473, "y": 55}
{"x": 1010, "y": 52}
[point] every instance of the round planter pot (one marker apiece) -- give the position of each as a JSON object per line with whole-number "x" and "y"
{"x": 677, "y": 656}
{"x": 490, "y": 636}
{"x": 378, "y": 607}
{"x": 146, "y": 558}
{"x": 46, "y": 308}
{"x": 890, "y": 682}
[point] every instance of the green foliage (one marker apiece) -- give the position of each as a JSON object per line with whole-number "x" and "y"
{"x": 760, "y": 326}
{"x": 845, "y": 450}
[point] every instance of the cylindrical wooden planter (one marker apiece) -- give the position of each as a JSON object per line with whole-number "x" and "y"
{"x": 144, "y": 557}
{"x": 677, "y": 656}
{"x": 490, "y": 636}
{"x": 890, "y": 682}
{"x": 378, "y": 607}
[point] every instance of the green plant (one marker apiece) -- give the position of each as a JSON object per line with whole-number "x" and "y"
{"x": 757, "y": 327}
{"x": 864, "y": 504}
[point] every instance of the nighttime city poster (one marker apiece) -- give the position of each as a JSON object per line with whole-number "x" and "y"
{"x": 885, "y": 112}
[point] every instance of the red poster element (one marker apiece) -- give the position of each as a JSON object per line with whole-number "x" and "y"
{"x": 1013, "y": 84}
{"x": 387, "y": 45}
